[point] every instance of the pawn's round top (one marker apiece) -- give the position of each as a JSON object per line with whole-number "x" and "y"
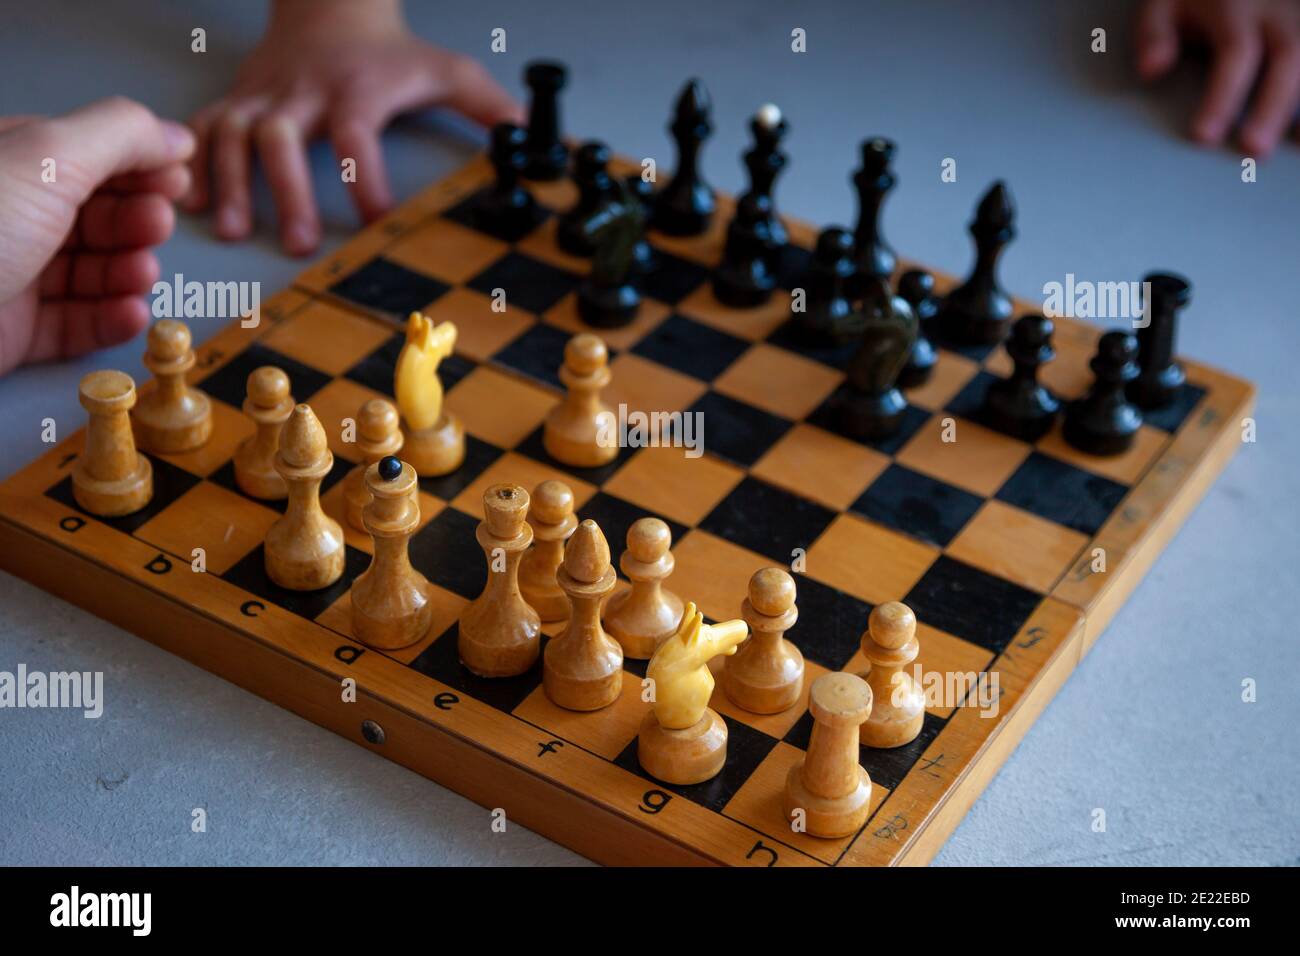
{"x": 585, "y": 353}
{"x": 592, "y": 157}
{"x": 892, "y": 624}
{"x": 507, "y": 138}
{"x": 1032, "y": 331}
{"x": 1117, "y": 348}
{"x": 377, "y": 420}
{"x": 390, "y": 466}
{"x": 545, "y": 73}
{"x": 552, "y": 502}
{"x": 586, "y": 557}
{"x": 833, "y": 243}
{"x": 916, "y": 285}
{"x": 302, "y": 443}
{"x": 648, "y": 539}
{"x": 768, "y": 116}
{"x": 771, "y": 591}
{"x": 505, "y": 507}
{"x": 169, "y": 340}
{"x": 1170, "y": 286}
{"x": 106, "y": 391}
{"x": 840, "y": 699}
{"x": 876, "y": 154}
{"x": 268, "y": 386}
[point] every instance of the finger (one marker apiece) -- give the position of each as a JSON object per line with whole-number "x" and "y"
{"x": 282, "y": 148}
{"x": 1279, "y": 93}
{"x": 85, "y": 275}
{"x": 201, "y": 123}
{"x": 115, "y": 136}
{"x": 231, "y": 164}
{"x": 354, "y": 132}
{"x": 472, "y": 92}
{"x": 171, "y": 181}
{"x": 66, "y": 328}
{"x": 1157, "y": 38}
{"x": 108, "y": 223}
{"x": 13, "y": 122}
{"x": 1236, "y": 61}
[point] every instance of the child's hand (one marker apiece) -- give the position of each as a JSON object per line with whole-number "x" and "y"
{"x": 334, "y": 68}
{"x": 83, "y": 198}
{"x": 1246, "y": 36}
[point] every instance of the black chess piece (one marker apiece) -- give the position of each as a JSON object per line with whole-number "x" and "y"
{"x": 745, "y": 278}
{"x": 828, "y": 316}
{"x": 870, "y": 406}
{"x": 607, "y": 297}
{"x": 548, "y": 157}
{"x": 596, "y": 189}
{"x": 1105, "y": 422}
{"x": 764, "y": 161}
{"x": 1018, "y": 405}
{"x": 873, "y": 182}
{"x": 506, "y": 209}
{"x": 1159, "y": 376}
{"x": 390, "y": 466}
{"x": 917, "y": 289}
{"x": 686, "y": 204}
{"x": 644, "y": 259}
{"x": 978, "y": 312}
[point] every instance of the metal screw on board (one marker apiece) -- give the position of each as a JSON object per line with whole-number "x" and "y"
{"x": 372, "y": 732}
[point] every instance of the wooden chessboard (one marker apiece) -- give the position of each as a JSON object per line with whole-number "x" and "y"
{"x": 990, "y": 541}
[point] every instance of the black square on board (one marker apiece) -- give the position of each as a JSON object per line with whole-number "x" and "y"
{"x": 969, "y": 402}
{"x": 691, "y": 347}
{"x": 467, "y": 213}
{"x": 375, "y": 371}
{"x": 790, "y": 336}
{"x": 528, "y": 283}
{"x": 534, "y": 446}
{"x": 441, "y": 661}
{"x": 971, "y": 604}
{"x": 169, "y": 483}
{"x": 830, "y": 625}
{"x": 230, "y": 382}
{"x": 746, "y": 749}
{"x": 249, "y": 574}
{"x": 672, "y": 278}
{"x": 828, "y": 416}
{"x": 537, "y": 353}
{"x": 934, "y": 331}
{"x": 615, "y": 516}
{"x": 1060, "y": 492}
{"x": 768, "y": 520}
{"x": 387, "y": 287}
{"x": 478, "y": 455}
{"x": 446, "y": 552}
{"x": 918, "y": 505}
{"x": 1169, "y": 418}
{"x": 734, "y": 430}
{"x": 886, "y": 768}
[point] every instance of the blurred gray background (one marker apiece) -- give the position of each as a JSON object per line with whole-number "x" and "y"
{"x": 1151, "y": 727}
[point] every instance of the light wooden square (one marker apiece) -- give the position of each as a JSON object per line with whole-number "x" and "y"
{"x": 979, "y": 460}
{"x": 760, "y": 803}
{"x": 225, "y": 525}
{"x": 338, "y": 401}
{"x": 646, "y": 386}
{"x": 542, "y": 245}
{"x": 446, "y": 609}
{"x": 327, "y": 338}
{"x": 230, "y": 427}
{"x": 480, "y": 331}
{"x": 1127, "y": 468}
{"x": 754, "y": 324}
{"x": 665, "y": 481}
{"x": 706, "y": 248}
{"x": 774, "y": 725}
{"x": 714, "y": 573}
{"x": 939, "y": 653}
{"x": 446, "y": 250}
{"x": 830, "y": 470}
{"x": 528, "y": 474}
{"x": 606, "y": 732}
{"x": 867, "y": 560}
{"x": 1017, "y": 545}
{"x": 499, "y": 408}
{"x": 564, "y": 315}
{"x": 950, "y": 375}
{"x": 778, "y": 381}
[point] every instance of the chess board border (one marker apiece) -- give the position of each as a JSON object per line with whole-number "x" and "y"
{"x": 466, "y": 745}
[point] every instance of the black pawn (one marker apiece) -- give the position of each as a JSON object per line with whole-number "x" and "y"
{"x": 390, "y": 467}
{"x": 1105, "y": 422}
{"x": 1017, "y": 405}
{"x": 978, "y": 312}
{"x": 1159, "y": 376}
{"x": 917, "y": 289}
{"x": 506, "y": 209}
{"x": 686, "y": 204}
{"x": 828, "y": 317}
{"x": 547, "y": 154}
{"x": 596, "y": 189}
{"x": 745, "y": 277}
{"x": 871, "y": 406}
{"x": 764, "y": 161}
{"x": 873, "y": 182}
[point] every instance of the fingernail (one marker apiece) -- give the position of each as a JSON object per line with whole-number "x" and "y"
{"x": 300, "y": 237}
{"x": 229, "y": 221}
{"x": 179, "y": 139}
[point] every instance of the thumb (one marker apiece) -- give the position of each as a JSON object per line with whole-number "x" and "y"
{"x": 114, "y": 136}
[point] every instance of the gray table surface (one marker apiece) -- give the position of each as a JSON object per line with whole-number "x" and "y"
{"x": 1151, "y": 726}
